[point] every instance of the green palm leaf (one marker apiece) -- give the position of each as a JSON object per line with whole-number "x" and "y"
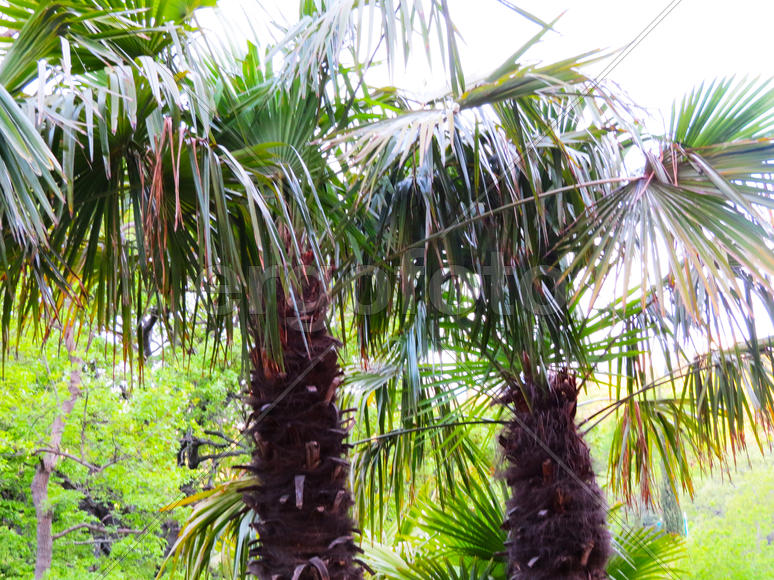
{"x": 219, "y": 521}
{"x": 464, "y": 540}
{"x": 646, "y": 554}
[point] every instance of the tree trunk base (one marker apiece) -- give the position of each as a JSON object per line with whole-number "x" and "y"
{"x": 301, "y": 495}
{"x": 557, "y": 513}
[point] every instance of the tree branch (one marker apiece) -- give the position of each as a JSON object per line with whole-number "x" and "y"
{"x": 221, "y": 455}
{"x": 95, "y": 528}
{"x": 221, "y": 435}
{"x": 90, "y": 466}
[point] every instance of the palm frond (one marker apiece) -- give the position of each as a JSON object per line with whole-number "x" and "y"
{"x": 723, "y": 111}
{"x": 465, "y": 537}
{"x": 389, "y": 565}
{"x": 219, "y": 521}
{"x": 81, "y": 36}
{"x": 646, "y": 554}
{"x": 413, "y": 134}
{"x": 414, "y": 421}
{"x": 453, "y": 532}
{"x": 29, "y": 169}
{"x": 328, "y": 31}
{"x": 706, "y": 410}
{"x": 684, "y": 215}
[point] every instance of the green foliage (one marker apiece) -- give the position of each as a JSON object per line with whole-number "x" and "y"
{"x": 216, "y": 535}
{"x": 123, "y": 438}
{"x": 646, "y": 554}
{"x": 463, "y": 538}
{"x": 730, "y": 529}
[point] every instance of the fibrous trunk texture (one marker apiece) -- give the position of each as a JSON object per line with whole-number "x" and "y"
{"x": 301, "y": 495}
{"x": 556, "y": 515}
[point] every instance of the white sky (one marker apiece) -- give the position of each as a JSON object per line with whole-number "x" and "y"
{"x": 696, "y": 41}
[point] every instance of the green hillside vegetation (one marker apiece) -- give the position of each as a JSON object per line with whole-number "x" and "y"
{"x": 122, "y": 442}
{"x": 126, "y": 436}
{"x": 731, "y": 523}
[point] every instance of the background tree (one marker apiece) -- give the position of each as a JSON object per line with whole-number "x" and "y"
{"x": 116, "y": 463}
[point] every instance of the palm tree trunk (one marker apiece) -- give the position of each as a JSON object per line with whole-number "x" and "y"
{"x": 301, "y": 495}
{"x": 556, "y": 514}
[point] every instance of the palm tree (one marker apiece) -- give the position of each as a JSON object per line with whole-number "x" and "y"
{"x": 493, "y": 215}
{"x": 465, "y": 539}
{"x": 179, "y": 158}
{"x": 521, "y": 213}
{"x": 267, "y": 125}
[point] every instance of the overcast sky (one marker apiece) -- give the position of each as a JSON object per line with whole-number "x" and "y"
{"x": 696, "y": 40}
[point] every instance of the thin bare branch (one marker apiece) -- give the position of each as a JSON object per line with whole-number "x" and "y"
{"x": 95, "y": 528}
